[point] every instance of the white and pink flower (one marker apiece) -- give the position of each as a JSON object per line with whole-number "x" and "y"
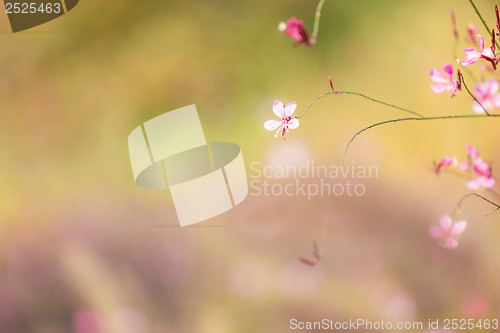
{"x": 448, "y": 232}
{"x": 471, "y": 55}
{"x": 486, "y": 94}
{"x": 444, "y": 82}
{"x": 285, "y": 114}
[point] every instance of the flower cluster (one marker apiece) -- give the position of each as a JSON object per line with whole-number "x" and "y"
{"x": 475, "y": 166}
{"x": 485, "y": 96}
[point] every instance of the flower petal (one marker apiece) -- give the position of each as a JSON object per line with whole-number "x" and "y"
{"x": 451, "y": 243}
{"x": 474, "y": 183}
{"x": 458, "y": 228}
{"x": 464, "y": 166}
{"x": 472, "y": 151}
{"x": 470, "y": 58}
{"x": 496, "y": 100}
{"x": 481, "y": 90}
{"x": 278, "y": 109}
{"x": 290, "y": 108}
{"x": 435, "y": 232}
{"x": 437, "y": 76}
{"x": 477, "y": 108}
{"x": 488, "y": 53}
{"x": 490, "y": 182}
{"x": 438, "y": 88}
{"x": 481, "y": 42}
{"x": 272, "y": 124}
{"x": 293, "y": 124}
{"x": 448, "y": 70}
{"x": 445, "y": 222}
{"x": 492, "y": 86}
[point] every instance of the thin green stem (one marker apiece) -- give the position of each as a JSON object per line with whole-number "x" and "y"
{"x": 482, "y": 20}
{"x": 411, "y": 119}
{"x": 356, "y": 94}
{"x": 317, "y": 16}
{"x": 497, "y": 207}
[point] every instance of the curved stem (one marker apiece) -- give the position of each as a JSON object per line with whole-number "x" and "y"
{"x": 411, "y": 119}
{"x": 317, "y": 16}
{"x": 497, "y": 207}
{"x": 472, "y": 95}
{"x": 482, "y": 20}
{"x": 360, "y": 95}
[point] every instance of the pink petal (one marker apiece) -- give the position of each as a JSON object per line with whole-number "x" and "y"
{"x": 481, "y": 90}
{"x": 435, "y": 232}
{"x": 481, "y": 167}
{"x": 278, "y": 109}
{"x": 472, "y": 151}
{"x": 293, "y": 124}
{"x": 488, "y": 53}
{"x": 272, "y": 124}
{"x": 290, "y": 108}
{"x": 474, "y": 183}
{"x": 481, "y": 42}
{"x": 445, "y": 222}
{"x": 492, "y": 86}
{"x": 448, "y": 69}
{"x": 496, "y": 100}
{"x": 470, "y": 58}
{"x": 438, "y": 88}
{"x": 490, "y": 182}
{"x": 464, "y": 166}
{"x": 444, "y": 162}
{"x": 477, "y": 108}
{"x": 451, "y": 243}
{"x": 458, "y": 228}
{"x": 437, "y": 76}
{"x": 470, "y": 50}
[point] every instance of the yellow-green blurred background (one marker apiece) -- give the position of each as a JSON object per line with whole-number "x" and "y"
{"x": 79, "y": 251}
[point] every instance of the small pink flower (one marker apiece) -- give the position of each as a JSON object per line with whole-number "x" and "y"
{"x": 445, "y": 162}
{"x": 471, "y": 55}
{"x": 481, "y": 168}
{"x": 444, "y": 82}
{"x": 286, "y": 122}
{"x": 448, "y": 232}
{"x": 295, "y": 29}
{"x": 486, "y": 94}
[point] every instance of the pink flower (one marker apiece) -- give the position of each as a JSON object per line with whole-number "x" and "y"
{"x": 486, "y": 93}
{"x": 445, "y": 162}
{"x": 295, "y": 29}
{"x": 471, "y": 55}
{"x": 448, "y": 232}
{"x": 444, "y": 82}
{"x": 286, "y": 122}
{"x": 481, "y": 168}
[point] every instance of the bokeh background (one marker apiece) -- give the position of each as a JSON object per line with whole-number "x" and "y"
{"x": 83, "y": 249}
